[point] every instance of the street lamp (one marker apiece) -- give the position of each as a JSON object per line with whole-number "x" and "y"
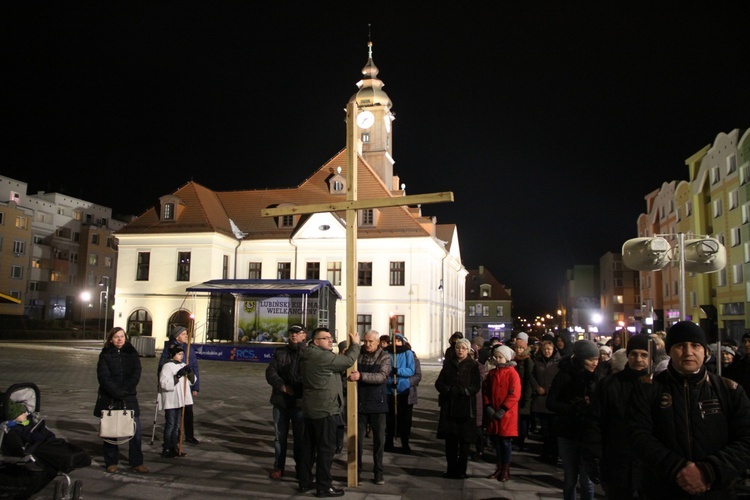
{"x": 105, "y": 283}
{"x": 700, "y": 254}
{"x": 85, "y": 297}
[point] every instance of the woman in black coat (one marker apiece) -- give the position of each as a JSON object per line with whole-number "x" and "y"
{"x": 458, "y": 385}
{"x": 118, "y": 372}
{"x": 571, "y": 398}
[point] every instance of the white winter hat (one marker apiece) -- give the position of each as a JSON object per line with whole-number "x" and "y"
{"x": 506, "y": 351}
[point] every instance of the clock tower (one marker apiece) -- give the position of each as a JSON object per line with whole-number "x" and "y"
{"x": 375, "y": 110}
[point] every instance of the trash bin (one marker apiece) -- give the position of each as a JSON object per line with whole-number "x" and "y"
{"x": 146, "y": 346}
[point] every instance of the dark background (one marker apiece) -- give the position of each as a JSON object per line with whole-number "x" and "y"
{"x": 549, "y": 121}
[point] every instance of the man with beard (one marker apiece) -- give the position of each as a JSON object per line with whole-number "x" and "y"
{"x": 691, "y": 428}
{"x": 283, "y": 375}
{"x": 621, "y": 471}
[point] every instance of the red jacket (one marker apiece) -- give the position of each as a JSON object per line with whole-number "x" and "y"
{"x": 502, "y": 389}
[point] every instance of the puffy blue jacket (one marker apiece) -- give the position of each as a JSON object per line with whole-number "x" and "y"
{"x": 404, "y": 368}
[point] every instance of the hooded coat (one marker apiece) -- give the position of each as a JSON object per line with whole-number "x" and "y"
{"x": 502, "y": 390}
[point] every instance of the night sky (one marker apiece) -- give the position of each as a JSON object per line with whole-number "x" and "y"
{"x": 549, "y": 123}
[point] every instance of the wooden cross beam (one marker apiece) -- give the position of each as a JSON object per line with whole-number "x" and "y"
{"x": 351, "y": 206}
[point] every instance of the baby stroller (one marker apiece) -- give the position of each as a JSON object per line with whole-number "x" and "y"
{"x": 30, "y": 454}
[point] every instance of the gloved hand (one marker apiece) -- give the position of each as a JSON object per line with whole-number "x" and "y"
{"x": 489, "y": 412}
{"x": 499, "y": 414}
{"x": 394, "y": 371}
{"x": 182, "y": 371}
{"x": 191, "y": 376}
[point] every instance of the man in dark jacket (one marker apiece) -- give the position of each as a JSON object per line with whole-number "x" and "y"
{"x": 690, "y": 427}
{"x": 283, "y": 375}
{"x": 621, "y": 471}
{"x": 178, "y": 336}
{"x": 373, "y": 371}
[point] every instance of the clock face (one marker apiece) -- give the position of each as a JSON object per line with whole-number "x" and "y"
{"x": 387, "y": 119}
{"x": 365, "y": 119}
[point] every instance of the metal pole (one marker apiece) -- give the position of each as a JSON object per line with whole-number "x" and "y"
{"x": 106, "y": 307}
{"x": 681, "y": 239}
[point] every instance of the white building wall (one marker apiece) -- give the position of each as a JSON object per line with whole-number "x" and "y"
{"x": 428, "y": 321}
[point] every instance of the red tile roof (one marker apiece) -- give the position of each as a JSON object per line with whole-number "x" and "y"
{"x": 209, "y": 211}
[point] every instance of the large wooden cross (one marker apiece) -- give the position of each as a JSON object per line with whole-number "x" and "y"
{"x": 351, "y": 206}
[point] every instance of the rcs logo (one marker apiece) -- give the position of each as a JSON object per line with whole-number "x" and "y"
{"x": 240, "y": 354}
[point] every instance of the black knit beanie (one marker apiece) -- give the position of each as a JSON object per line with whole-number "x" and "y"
{"x": 685, "y": 331}
{"x": 639, "y": 341}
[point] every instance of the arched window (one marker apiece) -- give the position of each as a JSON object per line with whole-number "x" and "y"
{"x": 140, "y": 321}
{"x": 182, "y": 318}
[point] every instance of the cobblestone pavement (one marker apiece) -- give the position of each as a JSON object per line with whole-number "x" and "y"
{"x": 234, "y": 426}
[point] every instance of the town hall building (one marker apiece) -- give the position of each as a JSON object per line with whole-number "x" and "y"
{"x": 410, "y": 275}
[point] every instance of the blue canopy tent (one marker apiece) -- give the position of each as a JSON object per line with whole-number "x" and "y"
{"x": 262, "y": 310}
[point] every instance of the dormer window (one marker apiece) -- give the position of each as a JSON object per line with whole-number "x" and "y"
{"x": 287, "y": 221}
{"x": 168, "y": 211}
{"x": 369, "y": 217}
{"x": 337, "y": 183}
{"x": 485, "y": 290}
{"x": 170, "y": 208}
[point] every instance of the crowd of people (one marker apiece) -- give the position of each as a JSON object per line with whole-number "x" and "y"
{"x": 646, "y": 416}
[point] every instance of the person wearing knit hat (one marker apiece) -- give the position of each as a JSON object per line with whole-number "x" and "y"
{"x": 571, "y": 398}
{"x": 458, "y": 384}
{"x": 523, "y": 337}
{"x": 174, "y": 349}
{"x": 690, "y": 426}
{"x": 620, "y": 469}
{"x": 17, "y": 414}
{"x": 605, "y": 352}
{"x": 178, "y": 335}
{"x": 585, "y": 349}
{"x": 506, "y": 351}
{"x": 399, "y": 419}
{"x": 685, "y": 331}
{"x": 502, "y": 391}
{"x": 524, "y": 367}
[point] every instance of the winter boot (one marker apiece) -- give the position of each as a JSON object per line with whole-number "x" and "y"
{"x": 498, "y": 469}
{"x": 504, "y": 473}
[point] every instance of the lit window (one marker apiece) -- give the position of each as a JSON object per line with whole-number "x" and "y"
{"x": 183, "y": 266}
{"x": 168, "y": 211}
